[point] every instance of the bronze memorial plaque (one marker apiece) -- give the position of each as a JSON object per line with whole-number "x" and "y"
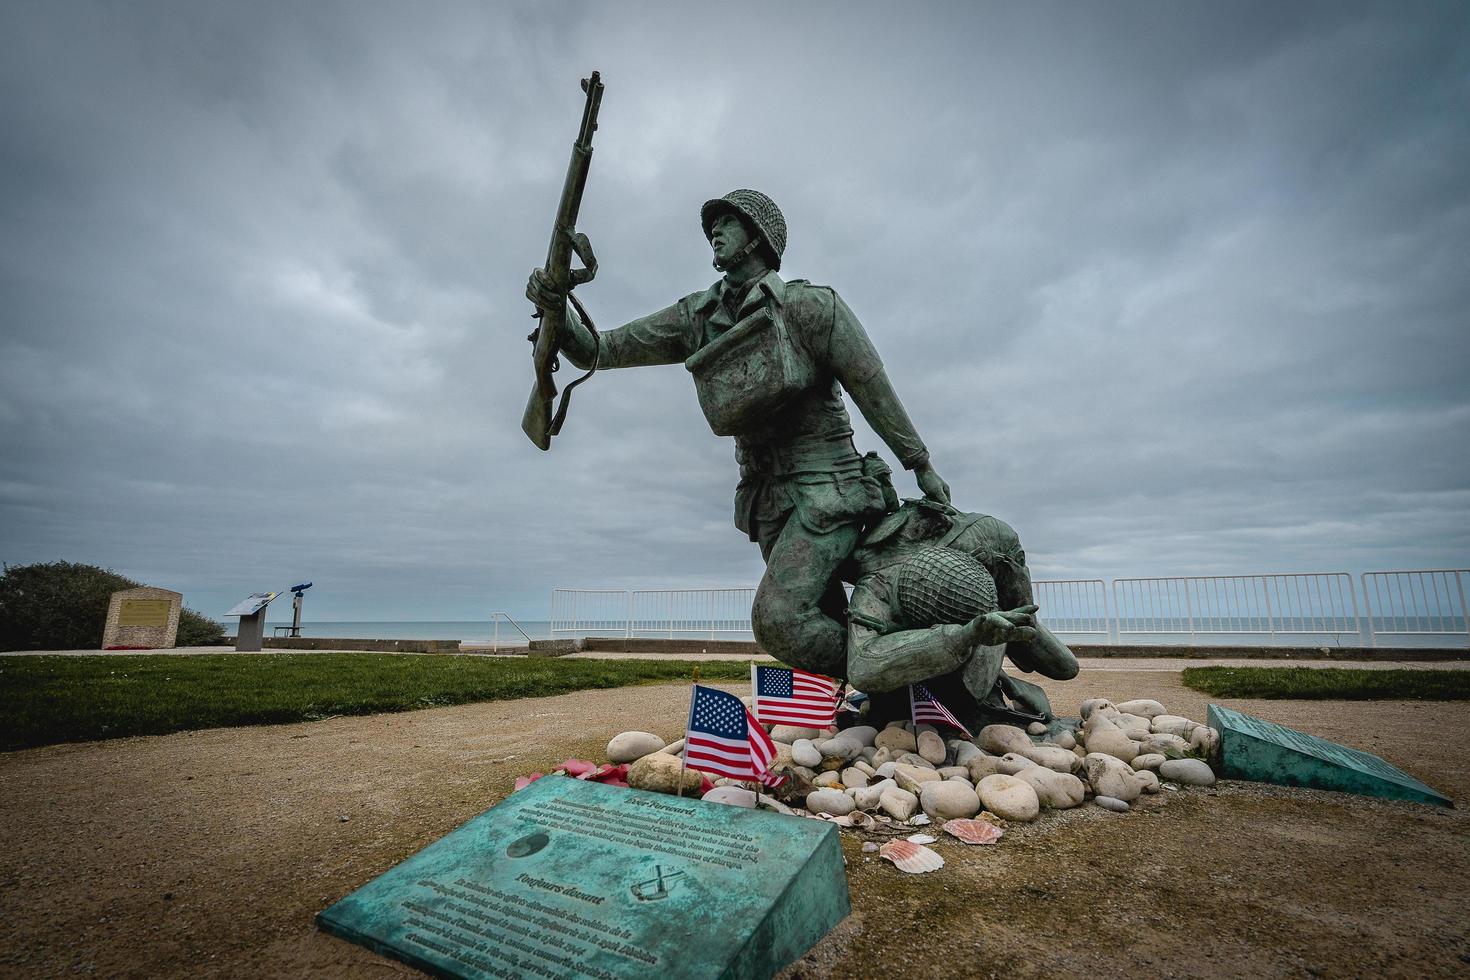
{"x": 567, "y": 878}
{"x": 143, "y": 612}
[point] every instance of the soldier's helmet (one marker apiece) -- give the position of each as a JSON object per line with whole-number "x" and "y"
{"x": 941, "y": 585}
{"x": 762, "y": 214}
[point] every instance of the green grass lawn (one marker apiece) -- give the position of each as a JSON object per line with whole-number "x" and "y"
{"x": 1330, "y": 683}
{"x": 44, "y": 700}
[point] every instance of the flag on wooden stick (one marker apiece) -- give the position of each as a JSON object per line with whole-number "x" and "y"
{"x": 793, "y": 697}
{"x": 925, "y": 707}
{"x": 724, "y": 739}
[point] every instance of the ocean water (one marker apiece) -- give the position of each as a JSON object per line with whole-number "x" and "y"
{"x": 1223, "y": 631}
{"x": 483, "y": 631}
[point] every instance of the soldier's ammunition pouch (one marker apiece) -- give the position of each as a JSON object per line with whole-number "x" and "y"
{"x": 749, "y": 373}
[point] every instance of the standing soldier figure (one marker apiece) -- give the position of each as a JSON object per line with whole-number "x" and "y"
{"x": 767, "y": 357}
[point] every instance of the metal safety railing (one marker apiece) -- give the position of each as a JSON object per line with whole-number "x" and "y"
{"x": 1320, "y": 603}
{"x": 1077, "y": 606}
{"x": 496, "y": 618}
{"x": 578, "y": 611}
{"x": 1429, "y": 602}
{"x": 673, "y": 612}
{"x": 1421, "y": 602}
{"x": 651, "y": 612}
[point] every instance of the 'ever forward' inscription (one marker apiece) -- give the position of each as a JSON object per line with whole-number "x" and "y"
{"x": 575, "y": 879}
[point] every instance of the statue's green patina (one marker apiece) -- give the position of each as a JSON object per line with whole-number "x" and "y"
{"x": 770, "y": 360}
{"x": 929, "y": 584}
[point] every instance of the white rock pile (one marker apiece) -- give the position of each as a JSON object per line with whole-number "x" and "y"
{"x": 884, "y": 783}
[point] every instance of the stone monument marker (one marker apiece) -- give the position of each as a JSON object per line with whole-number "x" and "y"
{"x": 1263, "y": 751}
{"x": 567, "y": 878}
{"x": 142, "y": 619}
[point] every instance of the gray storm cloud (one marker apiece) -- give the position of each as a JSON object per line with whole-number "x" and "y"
{"x": 1174, "y": 289}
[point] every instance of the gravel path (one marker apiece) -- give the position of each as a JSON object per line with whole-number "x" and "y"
{"x": 208, "y": 853}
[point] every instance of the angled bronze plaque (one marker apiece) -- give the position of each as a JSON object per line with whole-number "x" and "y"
{"x": 575, "y": 879}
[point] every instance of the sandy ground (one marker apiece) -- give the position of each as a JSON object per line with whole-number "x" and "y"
{"x": 208, "y": 853}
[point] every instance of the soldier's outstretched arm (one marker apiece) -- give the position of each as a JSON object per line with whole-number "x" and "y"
{"x": 857, "y": 366}
{"x": 665, "y": 337}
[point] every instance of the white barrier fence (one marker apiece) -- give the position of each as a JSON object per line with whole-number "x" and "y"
{"x": 1074, "y": 606}
{"x": 651, "y": 612}
{"x": 1426, "y": 602}
{"x": 685, "y": 612}
{"x": 1238, "y": 605}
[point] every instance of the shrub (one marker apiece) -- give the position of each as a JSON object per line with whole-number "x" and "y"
{"x": 63, "y": 606}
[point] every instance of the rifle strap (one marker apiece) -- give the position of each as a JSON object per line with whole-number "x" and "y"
{"x": 566, "y": 393}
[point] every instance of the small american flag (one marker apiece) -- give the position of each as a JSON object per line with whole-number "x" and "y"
{"x": 723, "y": 738}
{"x": 793, "y": 697}
{"x": 926, "y": 707}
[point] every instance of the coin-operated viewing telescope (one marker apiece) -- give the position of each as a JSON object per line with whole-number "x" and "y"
{"x": 296, "y": 591}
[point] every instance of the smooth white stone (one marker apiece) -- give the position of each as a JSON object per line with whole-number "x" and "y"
{"x": 1173, "y": 725}
{"x": 804, "y": 753}
{"x": 1013, "y": 762}
{"x": 899, "y": 804}
{"x": 1144, "y": 707}
{"x": 1110, "y": 776}
{"x": 732, "y": 796}
{"x": 1000, "y": 739}
{"x": 983, "y": 765}
{"x": 1170, "y": 746}
{"x": 1189, "y": 772}
{"x": 831, "y": 801}
{"x": 931, "y": 747}
{"x": 1009, "y": 798}
{"x": 1105, "y": 737}
{"x": 896, "y": 740}
{"x": 1052, "y": 757}
{"x": 790, "y": 733}
{"x": 949, "y": 800}
{"x": 632, "y": 746}
{"x": 1058, "y": 790}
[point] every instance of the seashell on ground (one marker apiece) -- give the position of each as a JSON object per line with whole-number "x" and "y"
{"x": 918, "y": 819}
{"x": 920, "y": 839}
{"x": 915, "y": 859}
{"x": 974, "y": 831}
{"x": 869, "y": 846}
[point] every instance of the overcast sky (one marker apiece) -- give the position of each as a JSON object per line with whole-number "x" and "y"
{"x": 1174, "y": 288}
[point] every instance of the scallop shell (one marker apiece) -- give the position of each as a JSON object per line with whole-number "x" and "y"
{"x": 912, "y": 858}
{"x": 973, "y": 831}
{"x": 921, "y": 839}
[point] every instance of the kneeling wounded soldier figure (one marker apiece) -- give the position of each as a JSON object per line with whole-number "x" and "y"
{"x": 929, "y": 582}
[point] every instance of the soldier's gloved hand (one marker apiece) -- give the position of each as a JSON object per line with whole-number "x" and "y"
{"x": 993, "y": 629}
{"x": 932, "y": 483}
{"x": 541, "y": 291}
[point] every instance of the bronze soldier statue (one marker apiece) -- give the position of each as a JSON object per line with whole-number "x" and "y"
{"x": 929, "y": 584}
{"x": 770, "y": 360}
